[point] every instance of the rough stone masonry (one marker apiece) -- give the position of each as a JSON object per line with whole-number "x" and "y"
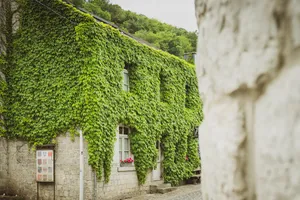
{"x": 248, "y": 69}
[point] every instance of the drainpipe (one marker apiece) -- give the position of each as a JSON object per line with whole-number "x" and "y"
{"x": 81, "y": 188}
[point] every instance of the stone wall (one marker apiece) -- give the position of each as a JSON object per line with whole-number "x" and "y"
{"x": 248, "y": 69}
{"x": 18, "y": 167}
{"x": 3, "y": 166}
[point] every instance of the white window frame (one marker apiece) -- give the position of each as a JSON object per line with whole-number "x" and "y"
{"x": 122, "y": 138}
{"x": 126, "y": 81}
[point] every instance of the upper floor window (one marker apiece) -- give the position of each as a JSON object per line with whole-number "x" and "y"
{"x": 125, "y": 79}
{"x": 187, "y": 93}
{"x": 162, "y": 87}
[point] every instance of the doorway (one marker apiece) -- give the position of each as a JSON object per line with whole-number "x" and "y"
{"x": 157, "y": 172}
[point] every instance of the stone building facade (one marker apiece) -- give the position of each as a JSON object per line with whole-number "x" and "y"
{"x": 92, "y": 64}
{"x": 18, "y": 174}
{"x": 248, "y": 70}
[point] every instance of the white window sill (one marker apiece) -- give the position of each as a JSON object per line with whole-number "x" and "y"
{"x": 126, "y": 169}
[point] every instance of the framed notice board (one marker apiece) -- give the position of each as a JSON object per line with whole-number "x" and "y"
{"x": 45, "y": 165}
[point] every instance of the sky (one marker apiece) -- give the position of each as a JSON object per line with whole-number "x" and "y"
{"x": 180, "y": 13}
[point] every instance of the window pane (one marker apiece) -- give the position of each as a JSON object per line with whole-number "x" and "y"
{"x": 126, "y": 78}
{"x": 126, "y": 131}
{"x": 126, "y": 154}
{"x": 120, "y": 130}
{"x": 126, "y": 88}
{"x": 126, "y": 144}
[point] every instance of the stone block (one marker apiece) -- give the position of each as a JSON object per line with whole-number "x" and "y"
{"x": 277, "y": 136}
{"x": 248, "y": 75}
{"x": 223, "y": 137}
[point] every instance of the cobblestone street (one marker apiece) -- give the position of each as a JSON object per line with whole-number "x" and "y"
{"x": 187, "y": 192}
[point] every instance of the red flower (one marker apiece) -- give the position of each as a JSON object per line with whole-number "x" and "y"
{"x": 127, "y": 160}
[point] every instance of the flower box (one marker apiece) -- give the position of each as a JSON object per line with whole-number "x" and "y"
{"x": 126, "y": 164}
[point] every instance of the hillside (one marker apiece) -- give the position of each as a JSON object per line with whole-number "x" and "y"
{"x": 176, "y": 41}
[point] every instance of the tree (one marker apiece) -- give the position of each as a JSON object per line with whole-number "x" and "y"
{"x": 177, "y": 41}
{"x": 118, "y": 15}
{"x": 96, "y": 10}
{"x": 77, "y": 3}
{"x": 174, "y": 40}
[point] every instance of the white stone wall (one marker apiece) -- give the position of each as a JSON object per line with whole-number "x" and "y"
{"x": 248, "y": 69}
{"x": 3, "y": 166}
{"x": 18, "y": 165}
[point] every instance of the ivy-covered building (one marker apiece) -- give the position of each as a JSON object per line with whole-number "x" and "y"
{"x": 136, "y": 106}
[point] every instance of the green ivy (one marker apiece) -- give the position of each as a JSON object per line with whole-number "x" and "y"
{"x": 67, "y": 74}
{"x": 3, "y": 89}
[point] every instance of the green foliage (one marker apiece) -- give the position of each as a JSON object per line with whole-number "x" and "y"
{"x": 67, "y": 74}
{"x": 96, "y": 10}
{"x": 76, "y": 2}
{"x": 2, "y": 61}
{"x": 3, "y": 88}
{"x": 176, "y": 41}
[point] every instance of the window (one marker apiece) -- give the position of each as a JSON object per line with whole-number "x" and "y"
{"x": 124, "y": 143}
{"x": 125, "y": 80}
{"x": 194, "y": 57}
{"x": 162, "y": 86}
{"x": 196, "y": 132}
{"x": 187, "y": 92}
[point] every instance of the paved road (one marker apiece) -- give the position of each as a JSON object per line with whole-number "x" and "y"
{"x": 188, "y": 196}
{"x": 187, "y": 192}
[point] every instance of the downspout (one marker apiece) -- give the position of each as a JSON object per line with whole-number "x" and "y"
{"x": 81, "y": 181}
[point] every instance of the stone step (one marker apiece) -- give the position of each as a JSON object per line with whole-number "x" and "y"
{"x": 161, "y": 188}
{"x": 164, "y": 185}
{"x": 165, "y": 190}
